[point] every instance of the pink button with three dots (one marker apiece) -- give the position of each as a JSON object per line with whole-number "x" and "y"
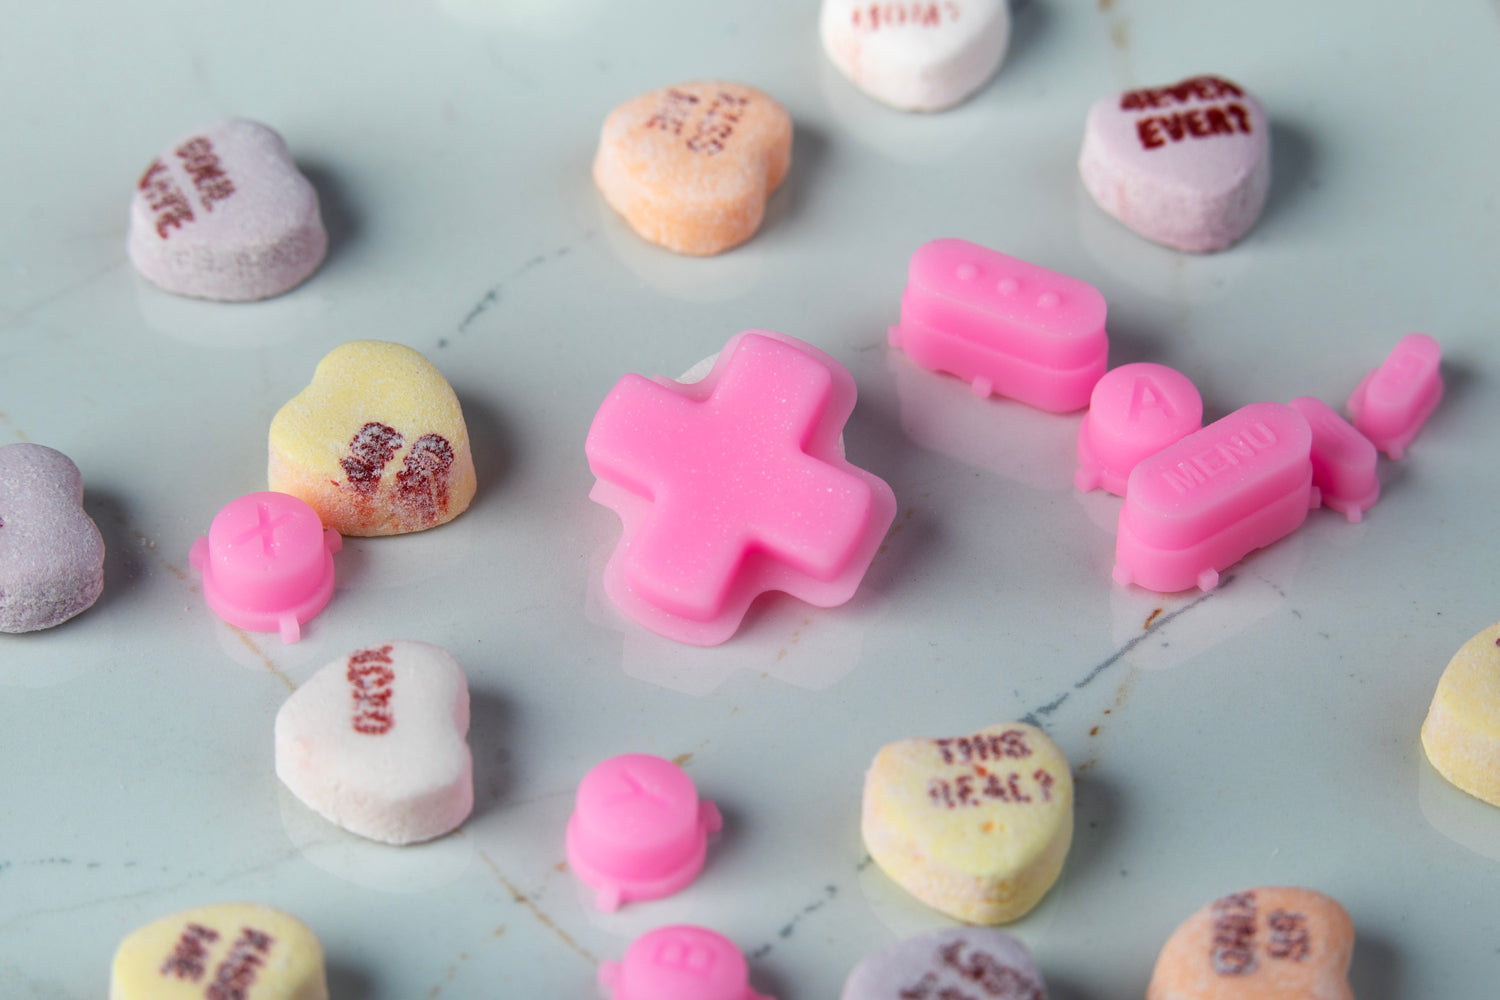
{"x": 1136, "y": 410}
{"x": 679, "y": 962}
{"x": 267, "y": 563}
{"x": 638, "y": 830}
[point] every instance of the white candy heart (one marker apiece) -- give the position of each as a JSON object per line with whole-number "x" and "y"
{"x": 917, "y": 55}
{"x": 374, "y": 742}
{"x": 224, "y": 214}
{"x": 1187, "y": 165}
{"x": 962, "y": 963}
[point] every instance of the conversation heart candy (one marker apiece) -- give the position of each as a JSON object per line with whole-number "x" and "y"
{"x": 51, "y": 553}
{"x": 679, "y": 962}
{"x": 374, "y": 742}
{"x": 690, "y": 167}
{"x": 1392, "y": 402}
{"x": 732, "y": 486}
{"x": 376, "y": 443}
{"x": 224, "y": 214}
{"x": 1461, "y": 734}
{"x": 227, "y": 951}
{"x": 1263, "y": 944}
{"x": 968, "y": 963}
{"x": 1187, "y": 165}
{"x": 977, "y": 826}
{"x": 917, "y": 55}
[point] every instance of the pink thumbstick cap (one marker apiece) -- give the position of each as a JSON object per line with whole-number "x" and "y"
{"x": 1135, "y": 411}
{"x": 679, "y": 962}
{"x": 638, "y": 830}
{"x": 267, "y": 563}
{"x": 1343, "y": 460}
{"x": 1391, "y": 403}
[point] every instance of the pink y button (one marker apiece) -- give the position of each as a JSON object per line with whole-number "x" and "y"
{"x": 1343, "y": 460}
{"x": 1003, "y": 325}
{"x": 1201, "y": 505}
{"x": 1135, "y": 410}
{"x": 1391, "y": 403}
{"x": 679, "y": 962}
{"x": 638, "y": 830}
{"x": 732, "y": 486}
{"x": 267, "y": 563}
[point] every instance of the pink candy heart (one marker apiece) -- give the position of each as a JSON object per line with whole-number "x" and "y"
{"x": 51, "y": 554}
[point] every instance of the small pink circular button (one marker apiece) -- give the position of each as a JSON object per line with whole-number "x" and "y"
{"x": 267, "y": 563}
{"x": 1135, "y": 411}
{"x": 638, "y": 830}
{"x": 680, "y": 962}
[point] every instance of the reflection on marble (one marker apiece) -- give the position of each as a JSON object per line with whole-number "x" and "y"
{"x": 395, "y": 562}
{"x": 1469, "y": 822}
{"x": 300, "y": 314}
{"x": 900, "y": 135}
{"x": 261, "y": 651}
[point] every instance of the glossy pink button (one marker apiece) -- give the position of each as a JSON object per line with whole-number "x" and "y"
{"x": 732, "y": 486}
{"x": 1201, "y": 505}
{"x": 1003, "y": 325}
{"x": 1135, "y": 410}
{"x": 638, "y": 830}
{"x": 679, "y": 962}
{"x": 267, "y": 563}
{"x": 1343, "y": 460}
{"x": 1391, "y": 403}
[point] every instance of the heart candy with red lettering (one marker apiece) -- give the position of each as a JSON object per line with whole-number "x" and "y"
{"x": 224, "y": 214}
{"x": 916, "y": 55}
{"x": 51, "y": 553}
{"x": 960, "y": 963}
{"x": 1187, "y": 165}
{"x": 374, "y": 742}
{"x": 1262, "y": 944}
{"x": 976, "y": 826}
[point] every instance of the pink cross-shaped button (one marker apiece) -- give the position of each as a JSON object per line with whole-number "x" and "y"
{"x": 267, "y": 563}
{"x": 733, "y": 486}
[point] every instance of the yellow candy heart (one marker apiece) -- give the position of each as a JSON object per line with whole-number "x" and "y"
{"x": 976, "y": 827}
{"x": 1462, "y": 731}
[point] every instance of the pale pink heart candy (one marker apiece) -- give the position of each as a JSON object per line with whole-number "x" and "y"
{"x": 374, "y": 742}
{"x": 51, "y": 553}
{"x": 224, "y": 214}
{"x": 1187, "y": 165}
{"x": 917, "y": 55}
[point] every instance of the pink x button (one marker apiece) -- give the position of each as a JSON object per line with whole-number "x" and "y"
{"x": 734, "y": 486}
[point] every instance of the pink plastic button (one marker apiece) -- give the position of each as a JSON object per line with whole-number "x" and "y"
{"x": 267, "y": 563}
{"x": 638, "y": 830}
{"x": 1343, "y": 460}
{"x": 1135, "y": 410}
{"x": 1204, "y": 503}
{"x": 1003, "y": 325}
{"x": 732, "y": 486}
{"x": 1391, "y": 403}
{"x": 680, "y": 962}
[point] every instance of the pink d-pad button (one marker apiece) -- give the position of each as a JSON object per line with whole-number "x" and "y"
{"x": 732, "y": 486}
{"x": 1343, "y": 459}
{"x": 638, "y": 830}
{"x": 679, "y": 962}
{"x": 1135, "y": 410}
{"x": 1391, "y": 403}
{"x": 267, "y": 563}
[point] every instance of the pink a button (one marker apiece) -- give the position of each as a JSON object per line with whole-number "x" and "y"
{"x": 1003, "y": 325}
{"x": 267, "y": 563}
{"x": 638, "y": 830}
{"x": 1343, "y": 460}
{"x": 1392, "y": 402}
{"x": 1135, "y": 410}
{"x": 733, "y": 486}
{"x": 679, "y": 962}
{"x": 1201, "y": 505}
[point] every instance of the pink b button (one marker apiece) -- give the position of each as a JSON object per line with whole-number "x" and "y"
{"x": 638, "y": 830}
{"x": 1135, "y": 410}
{"x": 680, "y": 962}
{"x": 1343, "y": 460}
{"x": 1391, "y": 403}
{"x": 267, "y": 563}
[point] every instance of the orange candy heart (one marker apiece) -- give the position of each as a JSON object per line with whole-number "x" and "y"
{"x": 690, "y": 167}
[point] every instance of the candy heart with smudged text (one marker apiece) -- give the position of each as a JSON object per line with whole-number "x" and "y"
{"x": 968, "y": 963}
{"x": 51, "y": 553}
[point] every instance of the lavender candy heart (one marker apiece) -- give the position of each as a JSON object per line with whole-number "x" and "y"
{"x": 964, "y": 963}
{"x": 51, "y": 554}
